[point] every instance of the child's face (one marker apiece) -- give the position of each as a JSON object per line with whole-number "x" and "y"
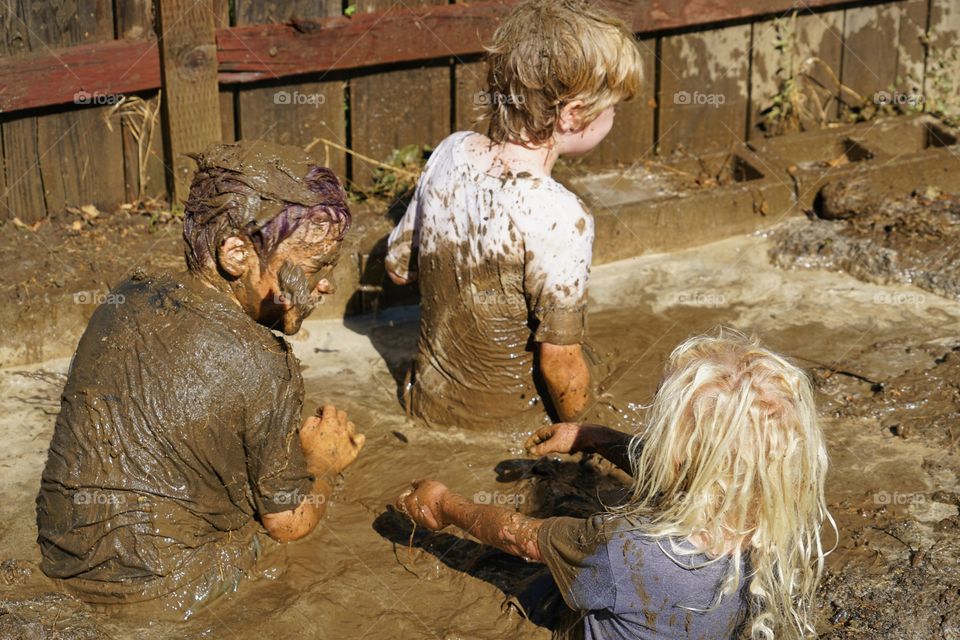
{"x": 575, "y": 141}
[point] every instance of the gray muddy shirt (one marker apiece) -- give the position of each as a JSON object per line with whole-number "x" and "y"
{"x": 178, "y": 426}
{"x": 631, "y": 589}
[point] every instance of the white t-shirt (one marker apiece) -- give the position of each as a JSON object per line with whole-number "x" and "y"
{"x": 503, "y": 261}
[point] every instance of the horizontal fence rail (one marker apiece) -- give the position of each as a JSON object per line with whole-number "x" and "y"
{"x": 91, "y": 73}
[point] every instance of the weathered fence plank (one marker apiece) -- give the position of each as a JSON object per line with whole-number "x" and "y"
{"x": 942, "y": 81}
{"x": 135, "y": 21}
{"x": 703, "y": 88}
{"x": 79, "y": 157}
{"x": 294, "y": 113}
{"x": 470, "y": 85}
{"x": 192, "y": 101}
{"x": 632, "y": 140}
{"x": 871, "y": 35}
{"x": 392, "y": 109}
{"x": 911, "y": 52}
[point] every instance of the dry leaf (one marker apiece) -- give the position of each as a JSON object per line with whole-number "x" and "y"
{"x": 20, "y": 224}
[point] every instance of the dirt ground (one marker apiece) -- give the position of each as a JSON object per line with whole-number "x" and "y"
{"x": 885, "y": 357}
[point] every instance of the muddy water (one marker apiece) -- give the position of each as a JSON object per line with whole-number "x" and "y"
{"x": 913, "y": 239}
{"x": 358, "y": 576}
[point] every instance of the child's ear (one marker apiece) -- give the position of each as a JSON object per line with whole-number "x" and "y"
{"x": 571, "y": 117}
{"x": 232, "y": 255}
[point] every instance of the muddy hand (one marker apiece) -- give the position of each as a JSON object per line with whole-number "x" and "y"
{"x": 423, "y": 503}
{"x": 330, "y": 441}
{"x": 564, "y": 437}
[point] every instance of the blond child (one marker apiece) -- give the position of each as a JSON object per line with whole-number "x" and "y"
{"x": 722, "y": 527}
{"x": 503, "y": 251}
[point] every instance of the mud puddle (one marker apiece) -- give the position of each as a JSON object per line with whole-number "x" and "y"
{"x": 365, "y": 574}
{"x": 914, "y": 239}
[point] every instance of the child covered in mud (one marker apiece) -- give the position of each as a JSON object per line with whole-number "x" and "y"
{"x": 502, "y": 251}
{"x": 180, "y": 435}
{"x": 721, "y": 530}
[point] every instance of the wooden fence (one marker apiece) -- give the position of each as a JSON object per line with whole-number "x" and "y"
{"x": 376, "y": 75}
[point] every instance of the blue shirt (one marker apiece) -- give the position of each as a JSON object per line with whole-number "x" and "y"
{"x": 631, "y": 586}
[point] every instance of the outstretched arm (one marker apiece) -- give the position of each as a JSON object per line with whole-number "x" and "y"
{"x": 431, "y": 505}
{"x": 587, "y": 438}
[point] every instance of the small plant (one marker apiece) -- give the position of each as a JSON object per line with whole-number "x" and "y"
{"x": 806, "y": 86}
{"x": 783, "y": 113}
{"x": 401, "y": 172}
{"x": 943, "y": 100}
{"x": 391, "y": 179}
{"x": 140, "y": 117}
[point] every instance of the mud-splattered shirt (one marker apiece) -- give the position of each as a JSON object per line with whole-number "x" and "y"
{"x": 633, "y": 587}
{"x": 178, "y": 425}
{"x": 503, "y": 262}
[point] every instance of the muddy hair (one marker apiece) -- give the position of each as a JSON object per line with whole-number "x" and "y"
{"x": 215, "y": 210}
{"x": 732, "y": 453}
{"x": 547, "y": 53}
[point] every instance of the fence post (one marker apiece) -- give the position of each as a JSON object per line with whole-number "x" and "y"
{"x": 188, "y": 63}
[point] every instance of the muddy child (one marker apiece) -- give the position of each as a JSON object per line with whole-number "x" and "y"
{"x": 179, "y": 436}
{"x": 722, "y": 529}
{"x": 502, "y": 251}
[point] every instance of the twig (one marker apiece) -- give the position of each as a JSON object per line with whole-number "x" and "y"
{"x": 330, "y": 143}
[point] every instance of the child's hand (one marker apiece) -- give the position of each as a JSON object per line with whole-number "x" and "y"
{"x": 565, "y": 437}
{"x": 424, "y": 504}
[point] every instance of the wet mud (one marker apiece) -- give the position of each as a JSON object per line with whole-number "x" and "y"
{"x": 364, "y": 573}
{"x": 127, "y": 515}
{"x": 914, "y": 239}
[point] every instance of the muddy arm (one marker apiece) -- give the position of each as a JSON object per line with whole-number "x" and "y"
{"x": 582, "y": 438}
{"x": 397, "y": 280}
{"x": 430, "y": 504}
{"x": 330, "y": 444}
{"x": 567, "y": 377}
{"x": 502, "y": 528}
{"x": 288, "y": 526}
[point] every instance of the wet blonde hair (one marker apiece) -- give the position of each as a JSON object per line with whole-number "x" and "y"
{"x": 732, "y": 451}
{"x": 547, "y": 53}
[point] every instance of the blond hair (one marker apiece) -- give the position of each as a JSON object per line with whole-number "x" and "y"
{"x": 547, "y": 53}
{"x": 732, "y": 454}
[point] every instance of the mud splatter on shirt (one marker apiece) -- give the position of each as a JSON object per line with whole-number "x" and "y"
{"x": 632, "y": 587}
{"x": 178, "y": 426}
{"x": 503, "y": 262}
